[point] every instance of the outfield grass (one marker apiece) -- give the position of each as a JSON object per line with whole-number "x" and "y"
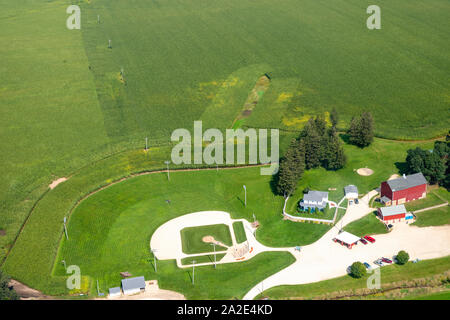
{"x": 239, "y": 231}
{"x": 191, "y": 238}
{"x": 389, "y": 274}
{"x": 366, "y": 225}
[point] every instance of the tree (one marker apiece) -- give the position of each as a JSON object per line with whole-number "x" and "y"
{"x": 313, "y": 145}
{"x": 402, "y": 257}
{"x": 358, "y": 270}
{"x": 291, "y": 168}
{"x": 361, "y": 130}
{"x": 6, "y": 292}
{"x": 334, "y": 157}
{"x": 429, "y": 162}
{"x": 334, "y": 117}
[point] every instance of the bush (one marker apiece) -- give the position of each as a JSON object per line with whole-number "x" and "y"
{"x": 358, "y": 270}
{"x": 402, "y": 257}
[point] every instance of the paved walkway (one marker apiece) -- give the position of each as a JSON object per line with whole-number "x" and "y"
{"x": 326, "y": 259}
{"x": 166, "y": 241}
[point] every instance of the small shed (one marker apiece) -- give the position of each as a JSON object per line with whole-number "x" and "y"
{"x": 114, "y": 292}
{"x": 133, "y": 285}
{"x": 351, "y": 192}
{"x": 346, "y": 239}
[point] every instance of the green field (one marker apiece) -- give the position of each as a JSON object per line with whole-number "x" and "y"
{"x": 389, "y": 274}
{"x": 191, "y": 238}
{"x": 202, "y": 259}
{"x": 434, "y": 217}
{"x": 366, "y": 225}
{"x": 434, "y": 296}
{"x": 430, "y": 200}
{"x": 65, "y": 113}
{"x": 239, "y": 231}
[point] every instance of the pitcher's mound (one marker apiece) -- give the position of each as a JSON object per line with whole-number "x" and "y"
{"x": 364, "y": 171}
{"x": 208, "y": 239}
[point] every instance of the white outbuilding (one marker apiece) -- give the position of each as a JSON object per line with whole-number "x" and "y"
{"x": 351, "y": 192}
{"x": 114, "y": 292}
{"x": 133, "y": 285}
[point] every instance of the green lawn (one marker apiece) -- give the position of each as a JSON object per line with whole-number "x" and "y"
{"x": 366, "y": 225}
{"x": 239, "y": 231}
{"x": 389, "y": 274}
{"x": 434, "y": 217}
{"x": 191, "y": 238}
{"x": 434, "y": 296}
{"x": 64, "y": 107}
{"x": 202, "y": 259}
{"x": 430, "y": 200}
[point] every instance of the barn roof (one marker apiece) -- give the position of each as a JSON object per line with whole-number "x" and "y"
{"x": 393, "y": 210}
{"x": 133, "y": 283}
{"x": 115, "y": 290}
{"x": 407, "y": 182}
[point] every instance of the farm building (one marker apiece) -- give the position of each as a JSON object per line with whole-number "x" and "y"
{"x": 114, "y": 292}
{"x": 346, "y": 239}
{"x": 403, "y": 189}
{"x": 392, "y": 214}
{"x": 133, "y": 285}
{"x": 351, "y": 192}
{"x": 314, "y": 200}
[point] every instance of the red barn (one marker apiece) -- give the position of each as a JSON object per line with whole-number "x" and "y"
{"x": 393, "y": 213}
{"x": 404, "y": 189}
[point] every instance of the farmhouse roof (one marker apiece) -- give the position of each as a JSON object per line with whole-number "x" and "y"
{"x": 350, "y": 189}
{"x": 315, "y": 196}
{"x": 133, "y": 283}
{"x": 115, "y": 290}
{"x": 347, "y": 237}
{"x": 407, "y": 182}
{"x": 393, "y": 210}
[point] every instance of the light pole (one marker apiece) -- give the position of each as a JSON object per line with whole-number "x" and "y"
{"x": 64, "y": 263}
{"x": 65, "y": 228}
{"x": 245, "y": 196}
{"x": 214, "y": 246}
{"x": 193, "y": 271}
{"x": 154, "y": 259}
{"x": 146, "y": 143}
{"x": 168, "y": 172}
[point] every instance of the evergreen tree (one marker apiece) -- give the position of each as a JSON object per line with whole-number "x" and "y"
{"x": 430, "y": 163}
{"x": 334, "y": 117}
{"x": 291, "y": 168}
{"x": 313, "y": 145}
{"x": 334, "y": 157}
{"x": 361, "y": 130}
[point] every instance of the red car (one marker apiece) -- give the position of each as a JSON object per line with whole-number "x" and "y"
{"x": 386, "y": 260}
{"x": 370, "y": 239}
{"x": 363, "y": 241}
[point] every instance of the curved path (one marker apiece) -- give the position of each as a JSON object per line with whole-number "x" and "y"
{"x": 166, "y": 240}
{"x": 325, "y": 259}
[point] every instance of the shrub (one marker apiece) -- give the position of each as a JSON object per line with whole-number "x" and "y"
{"x": 402, "y": 257}
{"x": 358, "y": 270}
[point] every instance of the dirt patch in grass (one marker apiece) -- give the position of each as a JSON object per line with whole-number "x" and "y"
{"x": 364, "y": 171}
{"x": 56, "y": 182}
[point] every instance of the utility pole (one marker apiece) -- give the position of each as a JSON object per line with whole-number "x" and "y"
{"x": 98, "y": 18}
{"x": 245, "y": 196}
{"x": 64, "y": 263}
{"x": 168, "y": 172}
{"x": 109, "y": 44}
{"x": 193, "y": 271}
{"x": 154, "y": 259}
{"x": 146, "y": 143}
{"x": 65, "y": 228}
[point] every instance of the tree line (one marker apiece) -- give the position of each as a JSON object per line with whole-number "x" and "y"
{"x": 434, "y": 163}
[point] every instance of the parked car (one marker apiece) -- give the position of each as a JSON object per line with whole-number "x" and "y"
{"x": 386, "y": 260}
{"x": 356, "y": 201}
{"x": 367, "y": 265}
{"x": 370, "y": 239}
{"x": 363, "y": 241}
{"x": 379, "y": 262}
{"x": 390, "y": 226}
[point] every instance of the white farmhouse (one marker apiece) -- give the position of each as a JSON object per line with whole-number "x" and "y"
{"x": 314, "y": 200}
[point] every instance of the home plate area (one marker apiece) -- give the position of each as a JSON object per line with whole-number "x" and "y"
{"x": 206, "y": 238}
